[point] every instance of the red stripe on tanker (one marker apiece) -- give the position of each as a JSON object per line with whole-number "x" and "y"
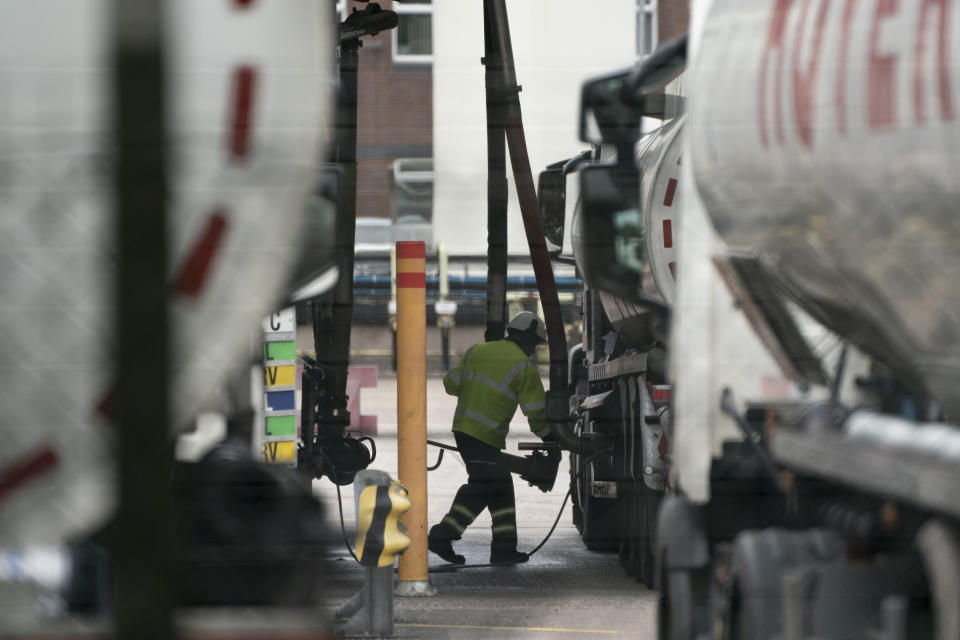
{"x": 26, "y": 469}
{"x": 241, "y": 123}
{"x": 803, "y": 59}
{"x": 671, "y": 190}
{"x": 662, "y": 203}
{"x": 194, "y": 272}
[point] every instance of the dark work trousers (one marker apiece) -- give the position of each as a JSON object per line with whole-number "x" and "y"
{"x": 489, "y": 486}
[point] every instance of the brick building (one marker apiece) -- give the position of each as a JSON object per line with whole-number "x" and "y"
{"x": 395, "y": 117}
{"x": 396, "y": 101}
{"x": 667, "y": 19}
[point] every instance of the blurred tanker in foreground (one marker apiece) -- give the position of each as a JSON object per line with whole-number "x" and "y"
{"x": 247, "y": 108}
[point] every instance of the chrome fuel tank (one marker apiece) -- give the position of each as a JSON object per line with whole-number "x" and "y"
{"x": 825, "y": 141}
{"x": 657, "y": 159}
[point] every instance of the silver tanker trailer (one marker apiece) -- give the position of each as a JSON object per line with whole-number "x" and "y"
{"x": 812, "y": 466}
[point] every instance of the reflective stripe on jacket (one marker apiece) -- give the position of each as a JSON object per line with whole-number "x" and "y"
{"x": 491, "y": 380}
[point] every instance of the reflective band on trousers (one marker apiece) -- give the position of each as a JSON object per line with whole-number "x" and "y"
{"x": 450, "y": 520}
{"x": 462, "y": 510}
{"x": 499, "y": 513}
{"x": 504, "y": 528}
{"x": 479, "y": 417}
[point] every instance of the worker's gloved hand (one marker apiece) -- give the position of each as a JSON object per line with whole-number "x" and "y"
{"x": 541, "y": 470}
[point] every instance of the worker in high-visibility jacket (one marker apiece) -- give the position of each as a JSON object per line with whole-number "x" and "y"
{"x": 490, "y": 381}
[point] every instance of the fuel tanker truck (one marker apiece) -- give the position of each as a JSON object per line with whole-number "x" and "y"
{"x": 617, "y": 374}
{"x": 812, "y": 462}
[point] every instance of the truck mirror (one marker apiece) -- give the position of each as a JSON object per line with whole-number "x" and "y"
{"x": 665, "y": 64}
{"x": 552, "y": 196}
{"x": 612, "y": 105}
{"x": 611, "y": 231}
{"x": 605, "y": 117}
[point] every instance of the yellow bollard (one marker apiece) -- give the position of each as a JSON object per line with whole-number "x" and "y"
{"x": 412, "y": 412}
{"x": 380, "y": 538}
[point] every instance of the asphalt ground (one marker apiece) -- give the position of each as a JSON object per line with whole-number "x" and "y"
{"x": 564, "y": 591}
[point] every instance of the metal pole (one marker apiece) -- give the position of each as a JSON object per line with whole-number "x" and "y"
{"x": 496, "y": 182}
{"x": 332, "y": 320}
{"x": 444, "y": 271}
{"x": 527, "y": 194}
{"x": 412, "y": 412}
{"x": 141, "y": 545}
{"x": 393, "y": 306}
{"x": 445, "y": 323}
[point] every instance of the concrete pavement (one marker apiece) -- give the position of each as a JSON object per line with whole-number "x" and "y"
{"x": 564, "y": 591}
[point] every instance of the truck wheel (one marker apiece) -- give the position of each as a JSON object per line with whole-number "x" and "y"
{"x": 595, "y": 518}
{"x": 756, "y": 567}
{"x": 638, "y": 506}
{"x": 684, "y": 571}
{"x": 683, "y": 612}
{"x": 939, "y": 545}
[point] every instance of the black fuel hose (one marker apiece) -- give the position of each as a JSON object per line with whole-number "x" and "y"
{"x": 448, "y": 568}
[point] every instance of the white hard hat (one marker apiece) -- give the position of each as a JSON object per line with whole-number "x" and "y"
{"x": 530, "y": 323}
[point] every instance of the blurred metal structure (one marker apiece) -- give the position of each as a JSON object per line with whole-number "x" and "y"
{"x": 327, "y": 449}
{"x": 141, "y": 539}
{"x": 493, "y": 63}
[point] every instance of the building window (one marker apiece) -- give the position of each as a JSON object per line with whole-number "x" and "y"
{"x": 646, "y": 27}
{"x": 413, "y": 190}
{"x": 413, "y": 37}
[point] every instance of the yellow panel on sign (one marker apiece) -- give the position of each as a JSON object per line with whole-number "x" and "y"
{"x": 280, "y": 376}
{"x": 284, "y": 451}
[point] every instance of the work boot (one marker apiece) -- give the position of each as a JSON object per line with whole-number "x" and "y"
{"x": 443, "y": 547}
{"x": 508, "y": 556}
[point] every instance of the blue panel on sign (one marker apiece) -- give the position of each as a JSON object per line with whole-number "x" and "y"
{"x": 281, "y": 400}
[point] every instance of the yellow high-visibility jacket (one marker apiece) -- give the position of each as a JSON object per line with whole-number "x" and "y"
{"x": 490, "y": 381}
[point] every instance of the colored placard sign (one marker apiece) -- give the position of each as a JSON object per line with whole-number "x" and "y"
{"x": 280, "y": 387}
{"x": 281, "y": 322}
{"x": 283, "y": 350}
{"x": 280, "y": 376}
{"x": 280, "y": 451}
{"x": 280, "y": 401}
{"x": 282, "y": 425}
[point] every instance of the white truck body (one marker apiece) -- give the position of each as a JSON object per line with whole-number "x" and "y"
{"x": 248, "y": 87}
{"x": 821, "y": 138}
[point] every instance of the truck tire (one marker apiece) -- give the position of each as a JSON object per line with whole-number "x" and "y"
{"x": 684, "y": 572}
{"x": 595, "y": 518}
{"x": 757, "y": 565}
{"x": 683, "y": 612}
{"x": 637, "y": 522}
{"x": 938, "y": 542}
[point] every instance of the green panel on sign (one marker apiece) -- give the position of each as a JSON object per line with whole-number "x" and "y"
{"x": 281, "y": 425}
{"x": 286, "y": 350}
